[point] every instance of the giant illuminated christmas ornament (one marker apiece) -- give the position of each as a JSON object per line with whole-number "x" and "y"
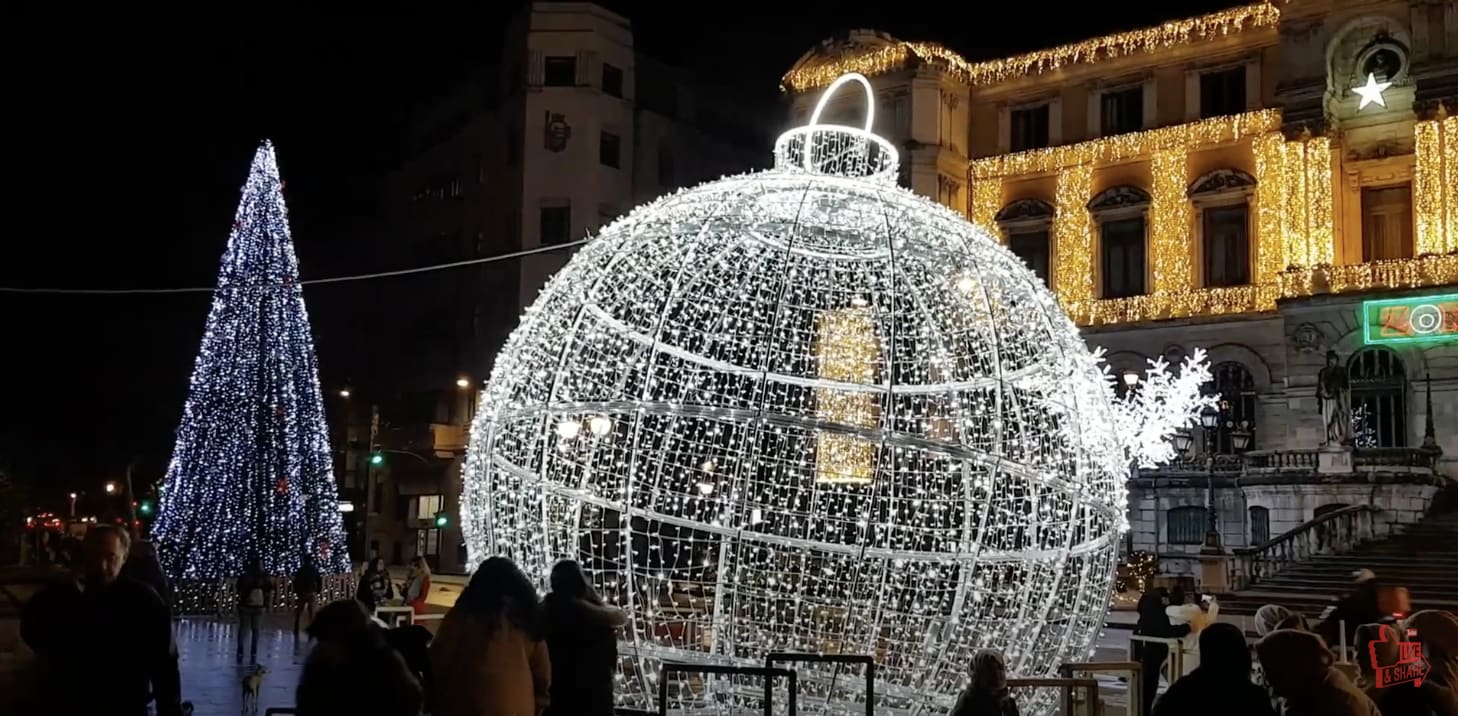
{"x": 806, "y": 410}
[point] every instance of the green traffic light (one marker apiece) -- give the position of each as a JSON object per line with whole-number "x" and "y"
{"x": 145, "y": 508}
{"x": 442, "y": 520}
{"x": 377, "y": 459}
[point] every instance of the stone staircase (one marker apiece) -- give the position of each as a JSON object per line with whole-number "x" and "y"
{"x": 1306, "y": 578}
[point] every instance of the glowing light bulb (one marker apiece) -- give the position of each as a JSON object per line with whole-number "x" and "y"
{"x": 567, "y": 429}
{"x": 600, "y": 425}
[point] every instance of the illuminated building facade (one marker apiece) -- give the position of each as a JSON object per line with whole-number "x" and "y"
{"x": 1243, "y": 182}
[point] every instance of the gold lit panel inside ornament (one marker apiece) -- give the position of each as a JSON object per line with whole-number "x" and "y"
{"x": 846, "y": 351}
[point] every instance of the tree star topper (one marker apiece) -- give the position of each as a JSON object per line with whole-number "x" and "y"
{"x": 1371, "y": 93}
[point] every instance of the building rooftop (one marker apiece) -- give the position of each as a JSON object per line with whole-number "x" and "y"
{"x": 874, "y": 53}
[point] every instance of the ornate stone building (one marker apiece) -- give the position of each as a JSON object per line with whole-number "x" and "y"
{"x": 1246, "y": 182}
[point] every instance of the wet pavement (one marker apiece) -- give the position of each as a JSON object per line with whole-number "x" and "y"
{"x": 212, "y": 676}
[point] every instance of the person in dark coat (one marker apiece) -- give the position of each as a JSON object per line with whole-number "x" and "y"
{"x": 306, "y": 585}
{"x": 1299, "y": 669}
{"x": 375, "y": 587}
{"x": 104, "y": 641}
{"x": 1357, "y": 608}
{"x": 1154, "y": 621}
{"x": 412, "y": 642}
{"x": 143, "y": 566}
{"x": 1221, "y": 684}
{"x": 582, "y": 642}
{"x": 353, "y": 670}
{"x": 987, "y": 693}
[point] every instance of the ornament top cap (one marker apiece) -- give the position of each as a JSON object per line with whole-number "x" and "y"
{"x": 837, "y": 149}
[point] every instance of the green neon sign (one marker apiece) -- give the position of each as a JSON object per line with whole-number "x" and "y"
{"x": 1423, "y": 319}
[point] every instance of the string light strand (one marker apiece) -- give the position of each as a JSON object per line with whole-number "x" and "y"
{"x": 310, "y": 282}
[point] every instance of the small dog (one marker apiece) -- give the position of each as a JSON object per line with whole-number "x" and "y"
{"x": 252, "y": 682}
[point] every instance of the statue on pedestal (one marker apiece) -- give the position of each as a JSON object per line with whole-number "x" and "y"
{"x": 1334, "y": 391}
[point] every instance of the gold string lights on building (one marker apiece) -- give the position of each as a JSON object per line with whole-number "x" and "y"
{"x": 1073, "y": 237}
{"x": 1170, "y": 223}
{"x": 1435, "y": 185}
{"x": 846, "y": 352}
{"x": 1184, "y": 137}
{"x": 904, "y": 55}
{"x": 1269, "y": 153}
{"x": 1073, "y": 227}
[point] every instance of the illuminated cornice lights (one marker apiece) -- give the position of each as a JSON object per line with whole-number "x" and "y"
{"x": 820, "y": 72}
{"x": 1371, "y": 93}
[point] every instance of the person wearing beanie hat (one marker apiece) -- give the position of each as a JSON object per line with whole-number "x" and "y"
{"x": 1298, "y": 667}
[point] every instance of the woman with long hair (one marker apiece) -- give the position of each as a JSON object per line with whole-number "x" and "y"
{"x": 581, "y": 637}
{"x": 488, "y": 657}
{"x": 987, "y": 693}
{"x": 375, "y": 588}
{"x": 352, "y": 669}
{"x": 417, "y": 584}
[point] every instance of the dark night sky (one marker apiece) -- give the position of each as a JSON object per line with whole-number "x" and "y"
{"x": 133, "y": 134}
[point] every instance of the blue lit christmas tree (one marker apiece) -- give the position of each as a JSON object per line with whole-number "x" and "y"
{"x": 250, "y": 475}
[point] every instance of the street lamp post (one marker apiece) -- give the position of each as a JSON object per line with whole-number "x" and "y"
{"x": 73, "y": 504}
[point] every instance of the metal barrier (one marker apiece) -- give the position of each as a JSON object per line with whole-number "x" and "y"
{"x": 1067, "y": 686}
{"x": 794, "y": 657}
{"x": 1133, "y": 669}
{"x": 1176, "y": 665}
{"x": 409, "y": 613}
{"x": 768, "y": 673}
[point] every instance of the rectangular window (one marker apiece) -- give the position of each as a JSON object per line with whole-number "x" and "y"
{"x": 1032, "y": 248}
{"x": 1260, "y": 526}
{"x": 1121, "y": 111}
{"x": 1186, "y": 525}
{"x": 608, "y": 148}
{"x": 612, "y": 80}
{"x": 426, "y": 506}
{"x": 1222, "y": 92}
{"x": 1387, "y": 223}
{"x": 1122, "y": 245}
{"x": 1029, "y": 128}
{"x": 555, "y": 225}
{"x": 1226, "y": 234}
{"x": 560, "y": 72}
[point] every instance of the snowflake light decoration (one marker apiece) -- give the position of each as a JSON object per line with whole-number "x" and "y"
{"x": 807, "y": 410}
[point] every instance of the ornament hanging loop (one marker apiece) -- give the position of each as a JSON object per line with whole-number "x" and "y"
{"x": 838, "y": 149}
{"x": 836, "y": 85}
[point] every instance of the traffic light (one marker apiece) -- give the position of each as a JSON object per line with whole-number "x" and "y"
{"x": 144, "y": 508}
{"x": 442, "y": 520}
{"x": 377, "y": 459}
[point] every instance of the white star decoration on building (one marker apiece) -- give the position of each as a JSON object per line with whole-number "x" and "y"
{"x": 1371, "y": 93}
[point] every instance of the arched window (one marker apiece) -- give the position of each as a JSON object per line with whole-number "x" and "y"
{"x": 1026, "y": 224}
{"x": 1121, "y": 214}
{"x": 1233, "y": 383}
{"x": 1379, "y": 398}
{"x": 1260, "y": 526}
{"x": 1222, "y": 200}
{"x": 1186, "y": 525}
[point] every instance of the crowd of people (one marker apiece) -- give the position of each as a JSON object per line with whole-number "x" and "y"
{"x": 1294, "y": 672}
{"x": 502, "y": 651}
